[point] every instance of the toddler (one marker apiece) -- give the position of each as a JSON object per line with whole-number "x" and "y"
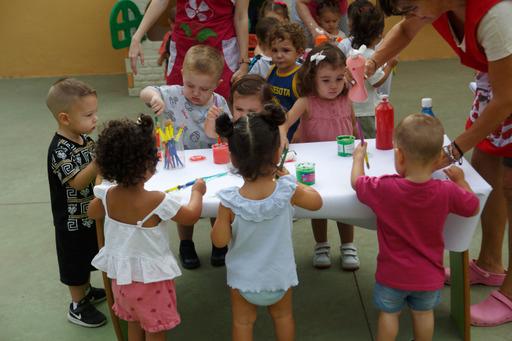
{"x": 325, "y": 112}
{"x": 287, "y": 43}
{"x": 71, "y": 174}
{"x": 262, "y": 61}
{"x": 328, "y": 16}
{"x": 136, "y": 255}
{"x": 366, "y": 23}
{"x": 187, "y": 106}
{"x": 274, "y": 9}
{"x": 256, "y": 221}
{"x": 411, "y": 210}
{"x": 249, "y": 94}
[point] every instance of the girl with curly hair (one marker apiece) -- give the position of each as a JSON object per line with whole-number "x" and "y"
{"x": 136, "y": 254}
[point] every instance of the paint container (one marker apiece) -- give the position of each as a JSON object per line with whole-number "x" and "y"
{"x": 305, "y": 173}
{"x": 220, "y": 153}
{"x": 345, "y": 145}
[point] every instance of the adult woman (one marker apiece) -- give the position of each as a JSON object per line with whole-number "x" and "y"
{"x": 479, "y": 32}
{"x": 222, "y": 24}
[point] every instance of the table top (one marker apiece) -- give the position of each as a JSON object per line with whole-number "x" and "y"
{"x": 332, "y": 182}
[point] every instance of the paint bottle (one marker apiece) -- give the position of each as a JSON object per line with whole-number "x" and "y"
{"x": 426, "y": 107}
{"x": 345, "y": 145}
{"x": 356, "y": 63}
{"x": 220, "y": 153}
{"x": 384, "y": 122}
{"x": 305, "y": 173}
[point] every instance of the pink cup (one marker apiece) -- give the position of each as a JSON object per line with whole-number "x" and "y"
{"x": 220, "y": 153}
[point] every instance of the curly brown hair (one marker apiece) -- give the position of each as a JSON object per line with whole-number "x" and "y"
{"x": 306, "y": 85}
{"x": 126, "y": 150}
{"x": 290, "y": 31}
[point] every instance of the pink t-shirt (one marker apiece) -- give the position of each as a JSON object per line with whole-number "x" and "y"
{"x": 410, "y": 224}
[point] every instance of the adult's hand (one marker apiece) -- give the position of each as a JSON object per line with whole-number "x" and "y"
{"x": 135, "y": 52}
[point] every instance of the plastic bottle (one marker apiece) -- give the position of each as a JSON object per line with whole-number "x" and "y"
{"x": 426, "y": 106}
{"x": 384, "y": 123}
{"x": 355, "y": 63}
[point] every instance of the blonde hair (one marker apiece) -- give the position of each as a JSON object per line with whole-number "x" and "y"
{"x": 205, "y": 60}
{"x": 420, "y": 137}
{"x": 64, "y": 93}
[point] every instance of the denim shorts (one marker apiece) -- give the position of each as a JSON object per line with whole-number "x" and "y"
{"x": 263, "y": 298}
{"x": 391, "y": 300}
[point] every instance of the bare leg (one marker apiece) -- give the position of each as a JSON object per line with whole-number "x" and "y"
{"x": 160, "y": 336}
{"x": 387, "y": 328}
{"x": 135, "y": 332}
{"x": 346, "y": 232}
{"x": 494, "y": 214}
{"x": 506, "y": 287}
{"x": 423, "y": 325}
{"x": 282, "y": 315}
{"x": 244, "y": 316}
{"x": 78, "y": 291}
{"x": 185, "y": 232}
{"x": 319, "y": 230}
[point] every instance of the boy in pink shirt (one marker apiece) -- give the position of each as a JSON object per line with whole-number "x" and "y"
{"x": 411, "y": 210}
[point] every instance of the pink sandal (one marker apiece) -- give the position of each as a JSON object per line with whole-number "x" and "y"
{"x": 493, "y": 311}
{"x": 477, "y": 275}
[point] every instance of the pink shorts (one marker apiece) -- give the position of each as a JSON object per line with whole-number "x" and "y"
{"x": 153, "y": 305}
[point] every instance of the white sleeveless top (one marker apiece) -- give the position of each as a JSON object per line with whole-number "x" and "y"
{"x": 260, "y": 254}
{"x": 133, "y": 253}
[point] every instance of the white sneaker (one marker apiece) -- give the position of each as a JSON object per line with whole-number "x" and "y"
{"x": 321, "y": 256}
{"x": 349, "y": 258}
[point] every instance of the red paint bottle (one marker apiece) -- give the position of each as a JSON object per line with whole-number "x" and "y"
{"x": 384, "y": 123}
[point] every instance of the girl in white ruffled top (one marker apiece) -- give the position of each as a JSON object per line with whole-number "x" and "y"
{"x": 136, "y": 255}
{"x": 256, "y": 221}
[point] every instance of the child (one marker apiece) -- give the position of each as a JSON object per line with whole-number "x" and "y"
{"x": 187, "y": 105}
{"x": 325, "y": 112}
{"x": 166, "y": 41}
{"x": 366, "y": 23}
{"x": 411, "y": 210}
{"x": 287, "y": 42}
{"x": 249, "y": 94}
{"x": 328, "y": 16}
{"x": 261, "y": 62}
{"x": 256, "y": 221}
{"x": 136, "y": 255}
{"x": 71, "y": 174}
{"x": 274, "y": 9}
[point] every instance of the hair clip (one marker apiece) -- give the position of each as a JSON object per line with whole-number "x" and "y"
{"x": 139, "y": 120}
{"x": 318, "y": 57}
{"x": 280, "y": 3}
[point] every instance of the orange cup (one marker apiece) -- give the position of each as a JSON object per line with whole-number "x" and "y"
{"x": 220, "y": 153}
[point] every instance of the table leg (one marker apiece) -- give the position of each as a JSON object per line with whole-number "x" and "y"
{"x": 459, "y": 293}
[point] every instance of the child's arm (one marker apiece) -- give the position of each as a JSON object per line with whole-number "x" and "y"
{"x": 456, "y": 175}
{"x": 357, "y": 164}
{"x": 96, "y": 210}
{"x": 84, "y": 177}
{"x": 153, "y": 99}
{"x": 209, "y": 123}
{"x": 307, "y": 198}
{"x": 298, "y": 109}
{"x": 221, "y": 231}
{"x": 190, "y": 214}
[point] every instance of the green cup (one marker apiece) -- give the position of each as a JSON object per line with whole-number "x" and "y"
{"x": 345, "y": 145}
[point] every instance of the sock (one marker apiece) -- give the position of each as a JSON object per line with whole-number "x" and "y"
{"x": 75, "y": 305}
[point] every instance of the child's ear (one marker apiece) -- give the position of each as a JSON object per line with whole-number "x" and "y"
{"x": 63, "y": 118}
{"x": 400, "y": 157}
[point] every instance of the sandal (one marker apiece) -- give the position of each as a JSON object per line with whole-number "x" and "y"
{"x": 477, "y": 275}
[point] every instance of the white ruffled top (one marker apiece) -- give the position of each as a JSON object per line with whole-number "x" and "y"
{"x": 133, "y": 253}
{"x": 260, "y": 254}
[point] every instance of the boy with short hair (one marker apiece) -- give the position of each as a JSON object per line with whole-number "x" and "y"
{"x": 71, "y": 175}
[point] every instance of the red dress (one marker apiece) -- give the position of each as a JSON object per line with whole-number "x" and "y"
{"x": 208, "y": 22}
{"x": 498, "y": 142}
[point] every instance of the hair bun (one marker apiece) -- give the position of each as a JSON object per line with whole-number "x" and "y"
{"x": 224, "y": 126}
{"x": 274, "y": 114}
{"x": 145, "y": 122}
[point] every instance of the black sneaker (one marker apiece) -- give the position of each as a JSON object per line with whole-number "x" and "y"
{"x": 86, "y": 315}
{"x": 218, "y": 256}
{"x": 96, "y": 295}
{"x": 188, "y": 255}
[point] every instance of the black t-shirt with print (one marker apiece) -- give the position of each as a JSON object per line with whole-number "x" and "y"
{"x": 65, "y": 160}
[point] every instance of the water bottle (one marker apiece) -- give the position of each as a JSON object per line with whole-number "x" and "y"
{"x": 384, "y": 123}
{"x": 355, "y": 63}
{"x": 426, "y": 106}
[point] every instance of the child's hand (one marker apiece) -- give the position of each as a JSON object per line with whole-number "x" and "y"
{"x": 199, "y": 186}
{"x": 454, "y": 173}
{"x": 282, "y": 171}
{"x": 359, "y": 152}
{"x": 157, "y": 104}
{"x": 213, "y": 113}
